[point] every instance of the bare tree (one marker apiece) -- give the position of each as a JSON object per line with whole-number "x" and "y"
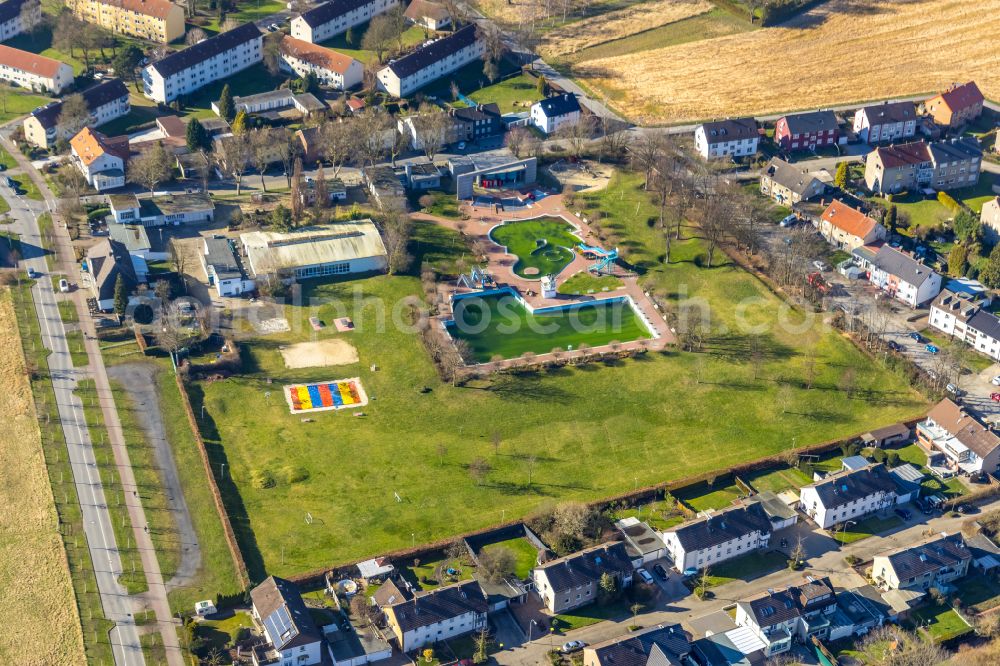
{"x": 516, "y": 138}
{"x": 496, "y": 563}
{"x": 151, "y": 168}
{"x": 194, "y": 35}
{"x": 261, "y": 152}
{"x": 381, "y": 33}
{"x": 370, "y": 129}
{"x": 298, "y": 191}
{"x": 337, "y": 143}
{"x": 491, "y": 37}
{"x": 577, "y": 134}
{"x": 232, "y": 154}
{"x": 479, "y": 469}
{"x": 396, "y": 231}
{"x": 433, "y": 129}
{"x": 362, "y": 609}
{"x": 31, "y": 16}
{"x": 271, "y": 52}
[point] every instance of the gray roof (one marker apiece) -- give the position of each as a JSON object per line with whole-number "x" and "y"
{"x": 792, "y": 176}
{"x": 813, "y": 121}
{"x": 221, "y": 256}
{"x": 863, "y": 605}
{"x": 848, "y": 486}
{"x": 937, "y": 553}
{"x": 106, "y": 260}
{"x": 282, "y": 611}
{"x": 654, "y": 647}
{"x": 389, "y": 593}
{"x": 426, "y": 56}
{"x": 953, "y": 150}
{"x": 586, "y": 566}
{"x": 894, "y": 430}
{"x": 854, "y": 462}
{"x": 890, "y": 112}
{"x": 719, "y": 650}
{"x": 331, "y": 11}
{"x": 902, "y": 265}
{"x": 132, "y": 236}
{"x": 282, "y": 94}
{"x": 95, "y": 97}
{"x": 559, "y": 105}
{"x": 986, "y": 323}
{"x": 211, "y": 47}
{"x": 777, "y": 606}
{"x": 439, "y": 605}
{"x": 177, "y": 203}
{"x": 730, "y": 129}
{"x": 774, "y": 506}
{"x": 723, "y": 526}
{"x": 982, "y": 546}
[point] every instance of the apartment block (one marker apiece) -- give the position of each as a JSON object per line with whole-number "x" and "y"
{"x": 330, "y": 19}
{"x": 431, "y": 62}
{"x": 155, "y": 20}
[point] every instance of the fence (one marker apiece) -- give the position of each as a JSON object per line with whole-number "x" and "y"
{"x": 234, "y": 549}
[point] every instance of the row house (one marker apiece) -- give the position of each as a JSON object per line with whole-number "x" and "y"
{"x": 330, "y": 19}
{"x": 17, "y": 16}
{"x": 889, "y": 121}
{"x": 848, "y": 228}
{"x": 429, "y": 63}
{"x": 807, "y": 131}
{"x": 106, "y": 101}
{"x": 958, "y": 105}
{"x": 101, "y": 159}
{"x": 964, "y": 318}
{"x": 730, "y": 533}
{"x": 553, "y": 113}
{"x": 439, "y": 615}
{"x": 664, "y": 644}
{"x": 849, "y": 494}
{"x": 969, "y": 446}
{"x": 934, "y": 562}
{"x": 796, "y": 613}
{"x": 34, "y": 72}
{"x": 156, "y": 20}
{"x": 574, "y": 580}
{"x": 942, "y": 165}
{"x": 902, "y": 277}
{"x": 290, "y": 635}
{"x": 789, "y": 184}
{"x": 732, "y": 137}
{"x": 218, "y": 57}
{"x": 331, "y": 68}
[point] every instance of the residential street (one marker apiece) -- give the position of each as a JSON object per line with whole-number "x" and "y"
{"x": 824, "y": 558}
{"x": 118, "y": 606}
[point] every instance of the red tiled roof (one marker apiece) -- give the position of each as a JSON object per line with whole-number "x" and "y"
{"x": 960, "y": 97}
{"x": 848, "y": 219}
{"x": 29, "y": 62}
{"x": 904, "y": 154}
{"x": 316, "y": 55}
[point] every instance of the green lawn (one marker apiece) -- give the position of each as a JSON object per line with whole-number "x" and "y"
{"x": 940, "y": 621}
{"x": 444, "y": 205}
{"x": 979, "y": 591}
{"x": 653, "y": 515}
{"x": 17, "y": 104}
{"x": 41, "y": 43}
{"x": 77, "y": 352}
{"x": 472, "y": 82}
{"x": 248, "y": 11}
{"x": 777, "y": 480}
{"x": 929, "y": 212}
{"x": 67, "y": 311}
{"x": 131, "y": 121}
{"x": 592, "y": 614}
{"x": 413, "y": 36}
{"x": 424, "y": 575}
{"x": 24, "y": 185}
{"x": 543, "y": 246}
{"x": 866, "y": 528}
{"x": 585, "y": 282}
{"x": 668, "y": 415}
{"x": 931, "y": 485}
{"x": 527, "y": 555}
{"x": 702, "y": 497}
{"x": 6, "y": 159}
{"x": 756, "y": 564}
{"x": 250, "y": 81}
{"x": 500, "y": 325}
{"x": 220, "y": 633}
{"x": 516, "y": 93}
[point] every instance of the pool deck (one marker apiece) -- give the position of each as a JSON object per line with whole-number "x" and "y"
{"x": 501, "y": 265}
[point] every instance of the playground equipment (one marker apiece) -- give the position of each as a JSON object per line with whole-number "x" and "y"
{"x": 477, "y": 278}
{"x": 605, "y": 258}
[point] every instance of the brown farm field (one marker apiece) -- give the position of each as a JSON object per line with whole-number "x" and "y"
{"x": 38, "y": 611}
{"x": 840, "y": 52}
{"x": 618, "y": 24}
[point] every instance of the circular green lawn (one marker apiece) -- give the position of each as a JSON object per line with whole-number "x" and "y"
{"x": 545, "y": 244}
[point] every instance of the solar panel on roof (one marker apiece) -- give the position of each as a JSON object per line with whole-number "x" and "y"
{"x": 280, "y": 627}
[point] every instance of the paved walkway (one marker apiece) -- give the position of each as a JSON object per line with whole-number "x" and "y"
{"x": 501, "y": 265}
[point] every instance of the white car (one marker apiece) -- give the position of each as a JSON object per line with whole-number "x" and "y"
{"x": 572, "y": 646}
{"x": 996, "y": 381}
{"x": 820, "y": 266}
{"x": 63, "y": 285}
{"x": 646, "y": 577}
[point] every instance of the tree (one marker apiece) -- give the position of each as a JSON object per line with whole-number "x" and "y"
{"x": 491, "y": 37}
{"x": 369, "y": 130}
{"x": 432, "y": 129}
{"x": 497, "y": 563}
{"x": 337, "y": 143}
{"x": 958, "y": 259}
{"x": 322, "y": 198}
{"x": 892, "y": 218}
{"x": 194, "y": 35}
{"x": 310, "y": 83}
{"x": 542, "y": 86}
{"x": 226, "y": 108}
{"x": 578, "y": 134}
{"x": 843, "y": 176}
{"x": 281, "y": 218}
{"x": 232, "y": 154}
{"x": 990, "y": 274}
{"x": 382, "y": 31}
{"x": 298, "y": 191}
{"x": 126, "y": 62}
{"x": 196, "y": 136}
{"x": 891, "y": 645}
{"x": 349, "y": 37}
{"x": 261, "y": 152}
{"x": 479, "y": 468}
{"x": 162, "y": 291}
{"x": 31, "y": 16}
{"x": 396, "y": 231}
{"x": 121, "y": 296}
{"x": 516, "y": 139}
{"x": 967, "y": 226}
{"x": 151, "y": 168}
{"x": 608, "y": 587}
{"x": 239, "y": 124}
{"x": 271, "y": 52}
{"x": 73, "y": 116}
{"x": 481, "y": 655}
{"x": 848, "y": 381}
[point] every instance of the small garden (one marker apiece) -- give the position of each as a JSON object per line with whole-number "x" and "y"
{"x": 940, "y": 622}
{"x": 863, "y": 529}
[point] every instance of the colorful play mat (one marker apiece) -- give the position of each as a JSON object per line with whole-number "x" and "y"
{"x": 322, "y": 396}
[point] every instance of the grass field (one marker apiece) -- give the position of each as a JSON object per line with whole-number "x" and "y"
{"x": 516, "y": 93}
{"x": 865, "y": 528}
{"x": 588, "y": 283}
{"x": 777, "y": 480}
{"x": 618, "y": 24}
{"x": 34, "y": 573}
{"x": 756, "y": 564}
{"x": 525, "y": 553}
{"x": 501, "y": 326}
{"x": 979, "y": 591}
{"x": 702, "y": 496}
{"x": 20, "y": 103}
{"x": 543, "y": 246}
{"x": 41, "y": 43}
{"x": 822, "y": 46}
{"x": 411, "y": 37}
{"x": 250, "y": 81}
{"x": 665, "y": 416}
{"x": 941, "y": 622}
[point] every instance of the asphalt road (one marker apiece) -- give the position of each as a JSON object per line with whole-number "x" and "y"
{"x": 118, "y": 606}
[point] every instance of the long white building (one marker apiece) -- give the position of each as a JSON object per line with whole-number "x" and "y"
{"x": 106, "y": 101}
{"x": 431, "y": 62}
{"x": 13, "y": 17}
{"x": 722, "y": 536}
{"x": 332, "y": 18}
{"x": 32, "y": 71}
{"x": 198, "y": 65}
{"x": 332, "y": 68}
{"x": 849, "y": 495}
{"x": 732, "y": 137}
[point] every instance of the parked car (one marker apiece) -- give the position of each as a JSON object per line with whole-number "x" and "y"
{"x": 788, "y": 221}
{"x": 645, "y": 576}
{"x": 64, "y": 285}
{"x": 572, "y": 646}
{"x": 820, "y": 265}
{"x": 903, "y": 513}
{"x": 916, "y": 337}
{"x": 996, "y": 381}
{"x": 895, "y": 346}
{"x": 660, "y": 571}
{"x": 32, "y": 273}
{"x": 931, "y": 349}
{"x": 954, "y": 390}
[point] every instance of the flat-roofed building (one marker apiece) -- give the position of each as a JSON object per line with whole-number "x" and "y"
{"x": 33, "y": 71}
{"x": 224, "y": 268}
{"x": 106, "y": 101}
{"x": 174, "y": 209}
{"x": 155, "y": 20}
{"x": 338, "y": 249}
